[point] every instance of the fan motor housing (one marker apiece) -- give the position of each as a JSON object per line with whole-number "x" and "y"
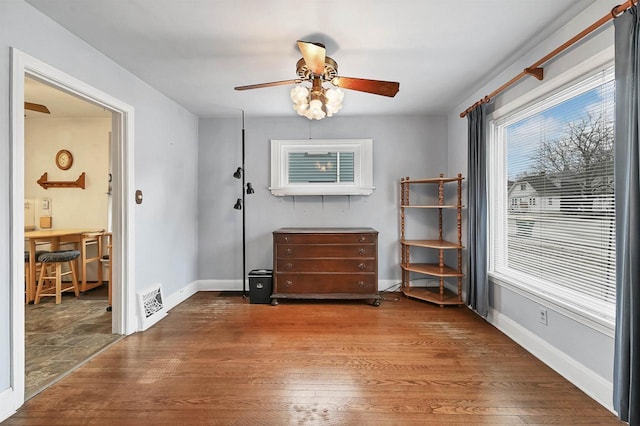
{"x": 330, "y": 69}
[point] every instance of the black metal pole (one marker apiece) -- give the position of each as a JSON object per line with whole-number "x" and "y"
{"x": 244, "y": 209}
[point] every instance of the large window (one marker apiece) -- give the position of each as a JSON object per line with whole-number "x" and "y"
{"x": 552, "y": 225}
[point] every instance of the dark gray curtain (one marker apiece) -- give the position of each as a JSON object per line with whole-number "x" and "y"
{"x": 478, "y": 291}
{"x": 626, "y": 370}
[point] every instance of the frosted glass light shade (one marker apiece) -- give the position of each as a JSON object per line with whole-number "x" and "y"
{"x": 325, "y": 105}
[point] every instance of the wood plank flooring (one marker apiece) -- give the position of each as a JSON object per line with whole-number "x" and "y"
{"x": 220, "y": 360}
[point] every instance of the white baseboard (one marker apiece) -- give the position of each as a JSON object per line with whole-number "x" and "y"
{"x": 584, "y": 378}
{"x": 7, "y": 404}
{"x": 181, "y": 295}
{"x": 390, "y": 285}
{"x": 220, "y": 285}
{"x": 236, "y": 285}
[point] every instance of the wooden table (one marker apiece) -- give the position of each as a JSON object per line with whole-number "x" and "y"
{"x": 53, "y": 237}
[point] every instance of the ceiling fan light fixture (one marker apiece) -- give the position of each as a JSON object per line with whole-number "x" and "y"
{"x": 317, "y": 103}
{"x": 316, "y": 67}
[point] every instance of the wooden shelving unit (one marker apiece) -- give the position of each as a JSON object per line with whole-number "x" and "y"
{"x": 439, "y": 271}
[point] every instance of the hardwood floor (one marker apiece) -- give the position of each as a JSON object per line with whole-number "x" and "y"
{"x": 220, "y": 360}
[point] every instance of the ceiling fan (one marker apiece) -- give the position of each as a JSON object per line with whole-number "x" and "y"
{"x": 316, "y": 67}
{"x": 37, "y": 107}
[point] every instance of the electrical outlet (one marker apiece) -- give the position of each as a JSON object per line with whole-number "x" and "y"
{"x": 542, "y": 316}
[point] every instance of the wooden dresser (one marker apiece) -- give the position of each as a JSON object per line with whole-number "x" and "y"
{"x": 325, "y": 263}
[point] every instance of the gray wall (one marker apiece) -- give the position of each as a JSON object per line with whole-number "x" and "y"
{"x": 590, "y": 345}
{"x": 402, "y": 146}
{"x": 166, "y": 144}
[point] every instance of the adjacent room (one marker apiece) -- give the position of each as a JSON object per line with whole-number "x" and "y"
{"x": 362, "y": 212}
{"x": 66, "y": 208}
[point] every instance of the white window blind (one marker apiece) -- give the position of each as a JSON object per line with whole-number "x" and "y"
{"x": 321, "y": 167}
{"x": 553, "y": 217}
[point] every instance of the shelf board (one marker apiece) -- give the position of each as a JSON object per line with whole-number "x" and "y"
{"x": 432, "y": 269}
{"x": 445, "y": 206}
{"x": 434, "y": 180}
{"x": 435, "y": 244}
{"x": 430, "y": 294}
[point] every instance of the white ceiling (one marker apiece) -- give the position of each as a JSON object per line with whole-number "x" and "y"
{"x": 59, "y": 103}
{"x": 197, "y": 51}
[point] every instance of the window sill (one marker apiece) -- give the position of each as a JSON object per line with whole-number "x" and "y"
{"x": 602, "y": 324}
{"x": 334, "y": 190}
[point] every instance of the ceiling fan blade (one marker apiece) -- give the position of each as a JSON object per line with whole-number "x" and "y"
{"x": 377, "y": 87}
{"x": 271, "y": 84}
{"x": 313, "y": 54}
{"x": 36, "y": 107}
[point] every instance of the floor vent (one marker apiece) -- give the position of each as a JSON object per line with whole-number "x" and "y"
{"x": 152, "y": 308}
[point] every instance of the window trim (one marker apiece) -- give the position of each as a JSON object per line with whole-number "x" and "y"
{"x": 362, "y": 164}
{"x": 509, "y": 113}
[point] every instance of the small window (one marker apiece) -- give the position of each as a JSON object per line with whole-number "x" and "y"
{"x": 523, "y": 186}
{"x": 322, "y": 167}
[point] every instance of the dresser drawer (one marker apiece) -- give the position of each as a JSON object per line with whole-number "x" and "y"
{"x": 325, "y": 265}
{"x": 325, "y": 250}
{"x": 326, "y": 283}
{"x": 325, "y": 238}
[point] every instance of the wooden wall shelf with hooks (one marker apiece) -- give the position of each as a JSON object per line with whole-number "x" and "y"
{"x": 46, "y": 184}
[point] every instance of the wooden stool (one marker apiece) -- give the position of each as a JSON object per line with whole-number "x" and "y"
{"x": 107, "y": 246}
{"x": 88, "y": 240}
{"x": 29, "y": 291}
{"x": 51, "y": 269}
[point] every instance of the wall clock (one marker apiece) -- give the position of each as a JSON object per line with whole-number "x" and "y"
{"x": 64, "y": 159}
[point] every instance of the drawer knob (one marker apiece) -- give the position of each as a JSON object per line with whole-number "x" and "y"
{"x": 288, "y": 251}
{"x": 362, "y": 266}
{"x": 361, "y": 284}
{"x": 288, "y": 266}
{"x": 361, "y": 251}
{"x": 363, "y": 238}
{"x": 288, "y": 284}
{"x": 286, "y": 238}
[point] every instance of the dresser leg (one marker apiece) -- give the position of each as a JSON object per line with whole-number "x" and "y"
{"x": 274, "y": 302}
{"x": 376, "y": 302}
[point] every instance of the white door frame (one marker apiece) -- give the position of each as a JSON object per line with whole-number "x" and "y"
{"x": 124, "y": 319}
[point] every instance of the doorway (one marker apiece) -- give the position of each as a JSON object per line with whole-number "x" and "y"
{"x": 121, "y": 152}
{"x": 61, "y": 336}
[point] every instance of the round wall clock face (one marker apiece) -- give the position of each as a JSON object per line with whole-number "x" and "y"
{"x": 64, "y": 159}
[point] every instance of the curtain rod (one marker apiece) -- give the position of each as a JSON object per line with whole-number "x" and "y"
{"x": 536, "y": 70}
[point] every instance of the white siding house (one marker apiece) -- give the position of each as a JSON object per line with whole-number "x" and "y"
{"x": 534, "y": 194}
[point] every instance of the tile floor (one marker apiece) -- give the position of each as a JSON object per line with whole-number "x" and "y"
{"x": 59, "y": 338}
